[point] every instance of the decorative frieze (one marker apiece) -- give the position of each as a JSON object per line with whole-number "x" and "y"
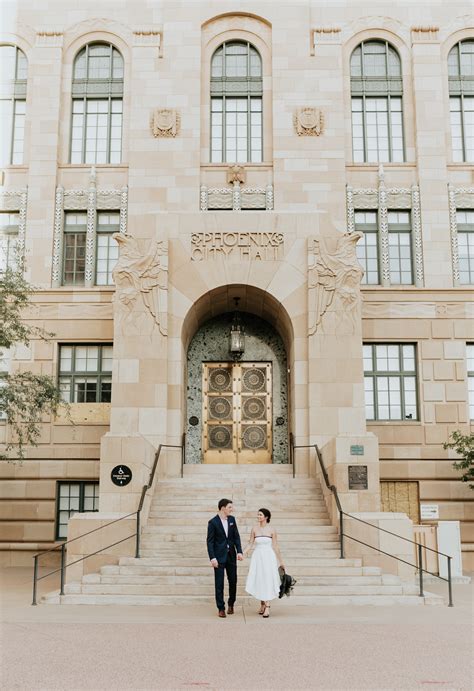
{"x": 49, "y": 37}
{"x": 383, "y": 230}
{"x": 324, "y": 35}
{"x": 236, "y": 198}
{"x": 165, "y": 122}
{"x": 308, "y": 122}
{"x": 417, "y": 237}
{"x": 425, "y": 34}
{"x": 90, "y": 232}
{"x": 149, "y": 38}
{"x": 58, "y": 237}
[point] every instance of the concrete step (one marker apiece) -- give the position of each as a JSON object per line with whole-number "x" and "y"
{"x": 278, "y": 606}
{"x": 283, "y": 530}
{"x": 289, "y": 557}
{"x": 115, "y": 570}
{"x": 177, "y": 518}
{"x": 202, "y": 560}
{"x": 207, "y": 580}
{"x": 208, "y": 589}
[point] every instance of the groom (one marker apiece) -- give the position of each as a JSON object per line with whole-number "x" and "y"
{"x": 223, "y": 546}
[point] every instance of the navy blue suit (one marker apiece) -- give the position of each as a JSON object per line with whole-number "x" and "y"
{"x": 224, "y": 548}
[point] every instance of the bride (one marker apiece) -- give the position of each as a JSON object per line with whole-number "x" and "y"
{"x": 263, "y": 580}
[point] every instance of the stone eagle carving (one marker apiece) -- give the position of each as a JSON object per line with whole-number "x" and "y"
{"x": 142, "y": 277}
{"x": 333, "y": 274}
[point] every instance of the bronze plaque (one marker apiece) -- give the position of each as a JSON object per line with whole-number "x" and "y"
{"x": 358, "y": 477}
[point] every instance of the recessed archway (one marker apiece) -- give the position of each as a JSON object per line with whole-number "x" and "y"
{"x": 269, "y": 344}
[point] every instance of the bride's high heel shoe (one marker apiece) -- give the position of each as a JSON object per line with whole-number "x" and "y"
{"x": 262, "y": 608}
{"x": 266, "y": 612}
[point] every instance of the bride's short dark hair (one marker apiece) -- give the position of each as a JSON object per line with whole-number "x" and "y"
{"x": 266, "y": 513}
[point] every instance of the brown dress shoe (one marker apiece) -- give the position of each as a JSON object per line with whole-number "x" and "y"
{"x": 222, "y": 614}
{"x": 230, "y": 609}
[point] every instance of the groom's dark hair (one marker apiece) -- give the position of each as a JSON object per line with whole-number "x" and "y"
{"x": 223, "y": 502}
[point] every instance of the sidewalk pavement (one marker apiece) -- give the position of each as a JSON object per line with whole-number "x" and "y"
{"x": 143, "y": 648}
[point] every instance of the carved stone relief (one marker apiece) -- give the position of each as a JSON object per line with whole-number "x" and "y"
{"x": 308, "y": 122}
{"x": 165, "y": 122}
{"x": 141, "y": 285}
{"x": 334, "y": 276}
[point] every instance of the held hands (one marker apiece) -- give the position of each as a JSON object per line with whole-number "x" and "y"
{"x": 240, "y": 557}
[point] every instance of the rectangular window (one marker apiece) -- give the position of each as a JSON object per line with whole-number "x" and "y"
{"x": 470, "y": 377}
{"x": 85, "y": 373}
{"x": 400, "y": 248}
{"x": 367, "y": 247}
{"x": 377, "y": 129}
{"x": 73, "y": 497}
{"x": 9, "y": 226}
{"x": 465, "y": 225}
{"x": 390, "y": 381}
{"x": 12, "y": 117}
{"x": 462, "y": 128}
{"x": 96, "y": 130}
{"x": 107, "y": 251}
{"x": 74, "y": 248}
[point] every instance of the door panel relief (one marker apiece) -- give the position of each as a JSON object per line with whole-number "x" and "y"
{"x": 237, "y": 412}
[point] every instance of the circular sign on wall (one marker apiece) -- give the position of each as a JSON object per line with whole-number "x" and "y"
{"x": 121, "y": 475}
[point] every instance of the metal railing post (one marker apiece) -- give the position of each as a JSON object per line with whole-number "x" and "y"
{"x": 35, "y": 579}
{"x": 137, "y": 542}
{"x": 341, "y": 532}
{"x": 420, "y": 568}
{"x": 450, "y": 584}
{"x": 63, "y": 574}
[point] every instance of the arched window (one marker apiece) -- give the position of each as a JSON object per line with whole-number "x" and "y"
{"x": 97, "y": 99}
{"x": 461, "y": 99}
{"x": 377, "y": 112}
{"x": 13, "y": 73}
{"x": 236, "y": 104}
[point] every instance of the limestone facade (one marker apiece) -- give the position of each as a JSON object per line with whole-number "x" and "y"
{"x": 280, "y": 234}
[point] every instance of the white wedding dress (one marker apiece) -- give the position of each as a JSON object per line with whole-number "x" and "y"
{"x": 263, "y": 580}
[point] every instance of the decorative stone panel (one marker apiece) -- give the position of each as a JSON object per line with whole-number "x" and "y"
{"x": 382, "y": 199}
{"x": 90, "y": 200}
{"x": 236, "y": 198}
{"x": 308, "y": 122}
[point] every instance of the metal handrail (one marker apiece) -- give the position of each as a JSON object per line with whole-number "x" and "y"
{"x": 136, "y": 513}
{"x": 342, "y": 535}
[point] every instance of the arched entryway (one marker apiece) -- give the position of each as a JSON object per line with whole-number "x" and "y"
{"x": 238, "y": 410}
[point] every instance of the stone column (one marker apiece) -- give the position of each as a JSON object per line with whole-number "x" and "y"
{"x": 431, "y": 117}
{"x": 44, "y": 100}
{"x": 336, "y": 379}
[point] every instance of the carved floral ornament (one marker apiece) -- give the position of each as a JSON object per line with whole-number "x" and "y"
{"x": 308, "y": 122}
{"x": 141, "y": 285}
{"x": 334, "y": 276}
{"x": 165, "y": 122}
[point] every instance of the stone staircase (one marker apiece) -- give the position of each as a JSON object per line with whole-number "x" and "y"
{"x": 174, "y": 567}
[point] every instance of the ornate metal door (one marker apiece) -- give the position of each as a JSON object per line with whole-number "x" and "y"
{"x": 237, "y": 412}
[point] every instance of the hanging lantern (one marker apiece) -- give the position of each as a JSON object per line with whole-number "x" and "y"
{"x": 237, "y": 335}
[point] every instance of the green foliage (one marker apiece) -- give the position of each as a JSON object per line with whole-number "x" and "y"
{"x": 24, "y": 397}
{"x": 463, "y": 444}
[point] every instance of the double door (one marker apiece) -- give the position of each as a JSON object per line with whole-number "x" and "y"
{"x": 237, "y": 412}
